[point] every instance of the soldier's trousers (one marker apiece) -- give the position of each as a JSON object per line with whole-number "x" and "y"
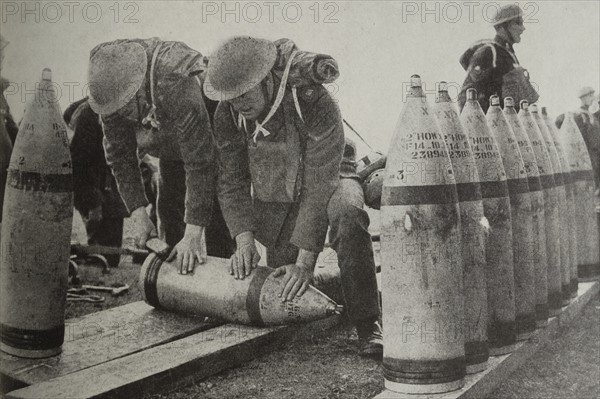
{"x": 350, "y": 238}
{"x": 107, "y": 231}
{"x": 171, "y": 211}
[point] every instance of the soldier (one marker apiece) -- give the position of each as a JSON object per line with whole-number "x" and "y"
{"x": 492, "y": 65}
{"x": 149, "y": 95}
{"x": 11, "y": 127}
{"x": 9, "y": 130}
{"x": 280, "y": 150}
{"x": 96, "y": 196}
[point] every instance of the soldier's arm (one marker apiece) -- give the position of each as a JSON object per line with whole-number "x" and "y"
{"x": 481, "y": 73}
{"x": 120, "y": 147}
{"x": 322, "y": 158}
{"x": 234, "y": 173}
{"x": 196, "y": 144}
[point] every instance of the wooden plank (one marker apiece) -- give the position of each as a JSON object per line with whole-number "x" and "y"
{"x": 173, "y": 365}
{"x": 127, "y": 329}
{"x": 480, "y": 385}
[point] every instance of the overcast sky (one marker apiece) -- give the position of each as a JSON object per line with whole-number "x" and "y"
{"x": 378, "y": 45}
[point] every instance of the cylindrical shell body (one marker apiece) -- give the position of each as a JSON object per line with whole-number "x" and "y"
{"x": 212, "y": 291}
{"x": 499, "y": 252}
{"x": 551, "y": 207}
{"x": 561, "y": 189}
{"x": 538, "y": 245}
{"x": 422, "y": 279}
{"x": 568, "y": 218}
{"x": 473, "y": 227}
{"x": 522, "y": 220}
{"x": 581, "y": 171}
{"x": 36, "y": 232}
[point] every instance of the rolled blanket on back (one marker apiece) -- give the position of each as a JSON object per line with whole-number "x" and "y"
{"x": 307, "y": 68}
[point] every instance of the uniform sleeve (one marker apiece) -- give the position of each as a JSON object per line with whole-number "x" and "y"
{"x": 196, "y": 144}
{"x": 481, "y": 76}
{"x": 234, "y": 174}
{"x": 87, "y": 156}
{"x": 322, "y": 157}
{"x": 120, "y": 148}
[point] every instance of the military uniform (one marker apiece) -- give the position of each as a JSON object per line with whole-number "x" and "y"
{"x": 183, "y": 143}
{"x": 488, "y": 64}
{"x": 285, "y": 186}
{"x": 93, "y": 183}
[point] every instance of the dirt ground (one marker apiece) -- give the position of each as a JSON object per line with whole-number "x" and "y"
{"x": 327, "y": 365}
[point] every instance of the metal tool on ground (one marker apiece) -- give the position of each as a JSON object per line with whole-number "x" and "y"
{"x": 473, "y": 228}
{"x": 421, "y": 269}
{"x": 521, "y": 216}
{"x": 537, "y": 206}
{"x": 502, "y": 333}
{"x": 72, "y": 297}
{"x": 114, "y": 291}
{"x": 36, "y": 230}
{"x": 212, "y": 291}
{"x": 154, "y": 244}
{"x": 551, "y": 207}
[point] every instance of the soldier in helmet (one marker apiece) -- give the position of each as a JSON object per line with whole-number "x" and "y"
{"x": 149, "y": 96}
{"x": 280, "y": 150}
{"x": 492, "y": 65}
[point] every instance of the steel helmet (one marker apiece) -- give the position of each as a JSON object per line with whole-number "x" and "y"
{"x": 373, "y": 187}
{"x": 239, "y": 64}
{"x": 584, "y": 91}
{"x": 507, "y": 13}
{"x": 115, "y": 74}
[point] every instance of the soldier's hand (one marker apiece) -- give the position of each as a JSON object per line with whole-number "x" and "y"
{"x": 191, "y": 249}
{"x": 297, "y": 278}
{"x": 246, "y": 256}
{"x": 95, "y": 215}
{"x": 143, "y": 227}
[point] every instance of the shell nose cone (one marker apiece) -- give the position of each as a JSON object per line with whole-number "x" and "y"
{"x": 334, "y": 309}
{"x": 47, "y": 74}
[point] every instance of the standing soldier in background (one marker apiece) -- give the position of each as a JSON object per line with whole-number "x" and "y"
{"x": 8, "y": 131}
{"x": 7, "y": 119}
{"x": 96, "y": 196}
{"x": 492, "y": 66}
{"x": 149, "y": 95}
{"x": 280, "y": 150}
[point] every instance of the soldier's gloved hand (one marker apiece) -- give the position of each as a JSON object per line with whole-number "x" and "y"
{"x": 246, "y": 256}
{"x": 143, "y": 227}
{"x": 297, "y": 277}
{"x": 190, "y": 249}
{"x": 95, "y": 215}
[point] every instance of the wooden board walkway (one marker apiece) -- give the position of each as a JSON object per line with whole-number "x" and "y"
{"x": 101, "y": 337}
{"x": 171, "y": 365}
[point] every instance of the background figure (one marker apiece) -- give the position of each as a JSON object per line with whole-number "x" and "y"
{"x": 492, "y": 65}
{"x": 589, "y": 126}
{"x": 8, "y": 130}
{"x": 95, "y": 190}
